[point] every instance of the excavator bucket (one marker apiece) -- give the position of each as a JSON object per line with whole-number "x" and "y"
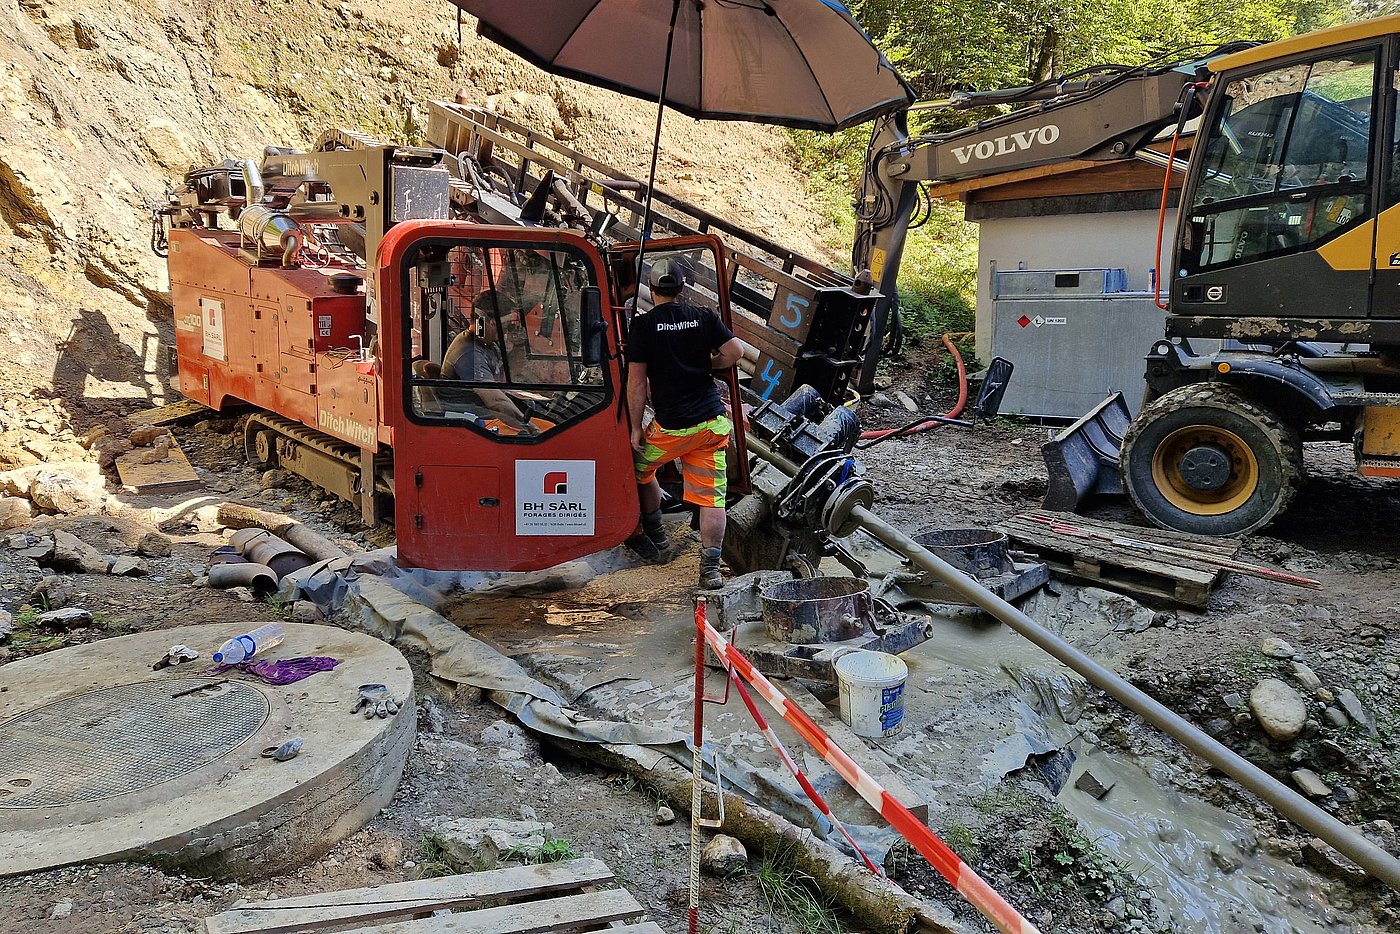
{"x": 1083, "y": 459}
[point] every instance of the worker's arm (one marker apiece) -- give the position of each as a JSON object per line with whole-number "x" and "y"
{"x": 727, "y": 354}
{"x": 637, "y": 402}
{"x": 504, "y": 407}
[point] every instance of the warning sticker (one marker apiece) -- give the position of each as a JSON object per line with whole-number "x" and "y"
{"x": 555, "y": 497}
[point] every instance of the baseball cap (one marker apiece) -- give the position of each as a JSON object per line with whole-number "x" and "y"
{"x": 666, "y": 274}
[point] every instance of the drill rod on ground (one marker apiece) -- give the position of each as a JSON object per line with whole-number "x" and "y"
{"x": 1302, "y": 812}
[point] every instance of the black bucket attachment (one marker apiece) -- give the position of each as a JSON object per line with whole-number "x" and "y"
{"x": 1082, "y": 460}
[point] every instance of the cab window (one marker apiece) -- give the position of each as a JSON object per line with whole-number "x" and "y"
{"x": 1286, "y": 166}
{"x": 494, "y": 339}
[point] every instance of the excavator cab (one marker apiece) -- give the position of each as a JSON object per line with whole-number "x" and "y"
{"x": 503, "y": 388}
{"x": 1289, "y": 245}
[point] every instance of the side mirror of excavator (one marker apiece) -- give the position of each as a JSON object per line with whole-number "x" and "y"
{"x": 594, "y": 327}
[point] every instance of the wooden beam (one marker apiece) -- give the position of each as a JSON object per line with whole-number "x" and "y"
{"x": 568, "y": 913}
{"x": 400, "y": 899}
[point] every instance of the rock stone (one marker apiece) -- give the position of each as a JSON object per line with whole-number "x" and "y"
{"x": 274, "y": 479}
{"x": 479, "y": 843}
{"x": 63, "y": 909}
{"x": 1310, "y": 783}
{"x": 388, "y": 854}
{"x": 1280, "y": 710}
{"x": 1306, "y": 676}
{"x": 65, "y": 493}
{"x": 724, "y": 856}
{"x": 1277, "y": 648}
{"x": 146, "y": 436}
{"x": 304, "y": 611}
{"x": 153, "y": 545}
{"x": 15, "y": 512}
{"x": 503, "y": 733}
{"x": 52, "y": 592}
{"x": 127, "y": 566}
{"x": 1225, "y": 858}
{"x": 1335, "y": 717}
{"x": 1356, "y": 710}
{"x": 72, "y": 554}
{"x": 664, "y": 816}
{"x": 7, "y": 624}
{"x": 67, "y": 618}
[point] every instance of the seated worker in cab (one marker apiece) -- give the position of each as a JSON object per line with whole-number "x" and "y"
{"x": 477, "y": 355}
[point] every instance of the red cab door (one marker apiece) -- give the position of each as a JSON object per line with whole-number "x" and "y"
{"x": 502, "y": 385}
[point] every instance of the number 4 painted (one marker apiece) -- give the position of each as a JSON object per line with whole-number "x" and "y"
{"x": 771, "y": 376}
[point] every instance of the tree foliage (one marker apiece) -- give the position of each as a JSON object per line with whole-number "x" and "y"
{"x": 946, "y": 45}
{"x": 942, "y": 46}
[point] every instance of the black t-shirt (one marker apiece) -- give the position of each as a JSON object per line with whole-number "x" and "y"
{"x": 674, "y": 340}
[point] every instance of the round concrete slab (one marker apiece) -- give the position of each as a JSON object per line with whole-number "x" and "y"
{"x": 103, "y": 759}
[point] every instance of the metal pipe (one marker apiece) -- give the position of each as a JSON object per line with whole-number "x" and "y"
{"x": 1283, "y": 799}
{"x": 257, "y": 577}
{"x": 253, "y": 189}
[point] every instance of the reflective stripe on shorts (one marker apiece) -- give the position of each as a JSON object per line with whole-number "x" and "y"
{"x": 701, "y": 451}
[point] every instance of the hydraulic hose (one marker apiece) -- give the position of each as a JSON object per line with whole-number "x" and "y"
{"x": 952, "y": 413}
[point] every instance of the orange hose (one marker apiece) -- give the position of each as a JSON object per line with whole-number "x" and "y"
{"x": 954, "y": 412}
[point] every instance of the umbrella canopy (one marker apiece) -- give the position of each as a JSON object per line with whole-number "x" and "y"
{"x": 798, "y": 63}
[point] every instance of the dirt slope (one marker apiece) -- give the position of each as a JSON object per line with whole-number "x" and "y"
{"x": 102, "y": 105}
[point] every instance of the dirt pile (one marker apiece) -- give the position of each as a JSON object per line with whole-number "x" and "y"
{"x": 103, "y": 105}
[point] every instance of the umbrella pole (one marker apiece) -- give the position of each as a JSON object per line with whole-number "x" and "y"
{"x": 656, "y": 140}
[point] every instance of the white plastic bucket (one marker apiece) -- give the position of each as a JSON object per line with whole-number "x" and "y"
{"x": 872, "y": 691}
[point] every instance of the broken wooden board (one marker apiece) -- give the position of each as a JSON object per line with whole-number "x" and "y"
{"x": 522, "y": 899}
{"x": 855, "y": 747}
{"x": 170, "y": 413}
{"x": 1149, "y": 566}
{"x": 171, "y": 475}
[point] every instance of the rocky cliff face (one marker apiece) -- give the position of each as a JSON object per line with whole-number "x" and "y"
{"x": 103, "y": 105}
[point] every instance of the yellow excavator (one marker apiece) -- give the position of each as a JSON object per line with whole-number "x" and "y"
{"x": 1287, "y": 248}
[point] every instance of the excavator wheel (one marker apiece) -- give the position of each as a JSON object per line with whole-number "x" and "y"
{"x": 1208, "y": 460}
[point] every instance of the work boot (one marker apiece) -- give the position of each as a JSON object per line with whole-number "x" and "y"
{"x": 655, "y": 530}
{"x": 711, "y": 578}
{"x": 651, "y": 542}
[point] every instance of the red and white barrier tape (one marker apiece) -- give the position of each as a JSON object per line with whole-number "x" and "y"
{"x": 968, "y": 884}
{"x": 812, "y": 794}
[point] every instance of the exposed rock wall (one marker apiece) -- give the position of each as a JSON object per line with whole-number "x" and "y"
{"x": 105, "y": 104}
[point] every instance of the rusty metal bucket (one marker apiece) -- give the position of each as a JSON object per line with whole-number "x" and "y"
{"x": 818, "y": 609}
{"x": 980, "y": 553}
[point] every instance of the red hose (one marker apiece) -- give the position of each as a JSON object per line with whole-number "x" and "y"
{"x": 954, "y": 412}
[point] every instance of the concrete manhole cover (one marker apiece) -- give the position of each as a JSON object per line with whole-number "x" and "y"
{"x": 122, "y": 739}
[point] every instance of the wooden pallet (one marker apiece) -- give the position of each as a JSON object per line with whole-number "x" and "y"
{"x": 1136, "y": 569}
{"x": 563, "y": 896}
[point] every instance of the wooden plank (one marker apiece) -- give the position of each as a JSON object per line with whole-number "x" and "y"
{"x": 168, "y": 476}
{"x": 855, "y": 747}
{"x": 1224, "y": 546}
{"x": 170, "y": 413}
{"x": 567, "y": 913}
{"x": 1042, "y": 536}
{"x": 397, "y": 899}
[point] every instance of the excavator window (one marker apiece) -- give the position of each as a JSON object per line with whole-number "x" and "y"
{"x": 1287, "y": 162}
{"x": 494, "y": 338}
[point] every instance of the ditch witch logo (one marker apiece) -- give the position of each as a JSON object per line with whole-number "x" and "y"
{"x": 556, "y": 483}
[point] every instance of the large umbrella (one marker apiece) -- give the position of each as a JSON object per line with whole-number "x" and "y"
{"x": 797, "y": 63}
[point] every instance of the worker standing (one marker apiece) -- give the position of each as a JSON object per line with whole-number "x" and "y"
{"x": 671, "y": 352}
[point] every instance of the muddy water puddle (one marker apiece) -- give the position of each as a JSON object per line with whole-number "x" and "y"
{"x": 982, "y": 702}
{"x": 1203, "y": 863}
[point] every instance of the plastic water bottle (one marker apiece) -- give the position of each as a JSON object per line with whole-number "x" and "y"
{"x": 241, "y": 648}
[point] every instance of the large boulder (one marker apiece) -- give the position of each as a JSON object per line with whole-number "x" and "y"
{"x": 1280, "y": 710}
